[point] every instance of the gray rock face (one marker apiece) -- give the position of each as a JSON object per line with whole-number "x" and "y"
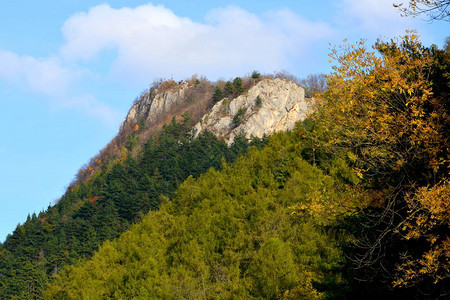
{"x": 153, "y": 106}
{"x": 282, "y": 104}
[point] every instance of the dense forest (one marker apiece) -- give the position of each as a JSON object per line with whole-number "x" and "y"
{"x": 105, "y": 206}
{"x": 351, "y": 204}
{"x": 258, "y": 228}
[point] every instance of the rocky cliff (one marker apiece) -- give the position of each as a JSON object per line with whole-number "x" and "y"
{"x": 268, "y": 105}
{"x": 153, "y": 105}
{"x": 271, "y": 105}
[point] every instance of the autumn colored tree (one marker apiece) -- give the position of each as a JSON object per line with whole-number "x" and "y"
{"x": 387, "y": 113}
{"x": 428, "y": 221}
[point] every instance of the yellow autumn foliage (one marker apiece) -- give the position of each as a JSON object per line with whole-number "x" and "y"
{"x": 429, "y": 219}
{"x": 382, "y": 107}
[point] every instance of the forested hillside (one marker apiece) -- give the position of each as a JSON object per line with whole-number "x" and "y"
{"x": 262, "y": 228}
{"x": 351, "y": 204}
{"x": 106, "y": 205}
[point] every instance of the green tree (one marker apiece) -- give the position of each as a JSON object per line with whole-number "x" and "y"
{"x": 100, "y": 209}
{"x": 238, "y": 117}
{"x": 237, "y": 85}
{"x": 218, "y": 94}
{"x": 258, "y": 101}
{"x": 272, "y": 271}
{"x": 233, "y": 233}
{"x": 256, "y": 75}
{"x": 228, "y": 89}
{"x": 132, "y": 141}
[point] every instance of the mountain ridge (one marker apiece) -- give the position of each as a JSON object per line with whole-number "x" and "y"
{"x": 271, "y": 105}
{"x": 194, "y": 98}
{"x": 154, "y": 152}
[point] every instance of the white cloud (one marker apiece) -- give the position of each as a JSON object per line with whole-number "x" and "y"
{"x": 42, "y": 75}
{"x": 89, "y": 105}
{"x": 378, "y": 17}
{"x": 49, "y": 77}
{"x": 301, "y": 35}
{"x": 151, "y": 41}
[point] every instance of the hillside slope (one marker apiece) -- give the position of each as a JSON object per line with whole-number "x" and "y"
{"x": 282, "y": 103}
{"x": 255, "y": 230}
{"x": 127, "y": 179}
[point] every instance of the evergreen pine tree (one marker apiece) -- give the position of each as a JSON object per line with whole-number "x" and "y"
{"x": 237, "y": 84}
{"x": 228, "y": 89}
{"x": 218, "y": 94}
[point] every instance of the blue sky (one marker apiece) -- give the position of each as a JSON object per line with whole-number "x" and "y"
{"x": 70, "y": 70}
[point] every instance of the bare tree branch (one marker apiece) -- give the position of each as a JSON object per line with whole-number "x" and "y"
{"x": 432, "y": 9}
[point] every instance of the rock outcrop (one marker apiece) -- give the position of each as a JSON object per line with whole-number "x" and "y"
{"x": 269, "y": 106}
{"x": 153, "y": 105}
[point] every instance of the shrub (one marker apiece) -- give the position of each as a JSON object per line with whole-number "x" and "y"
{"x": 256, "y": 75}
{"x": 258, "y": 101}
{"x": 238, "y": 117}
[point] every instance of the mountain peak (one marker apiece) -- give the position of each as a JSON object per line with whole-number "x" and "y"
{"x": 258, "y": 107}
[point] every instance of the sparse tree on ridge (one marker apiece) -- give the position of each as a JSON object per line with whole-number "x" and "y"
{"x": 314, "y": 84}
{"x": 256, "y": 75}
{"x": 237, "y": 84}
{"x": 218, "y": 94}
{"x": 228, "y": 89}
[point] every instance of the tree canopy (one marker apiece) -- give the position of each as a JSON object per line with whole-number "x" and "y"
{"x": 244, "y": 232}
{"x": 387, "y": 114}
{"x": 102, "y": 208}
